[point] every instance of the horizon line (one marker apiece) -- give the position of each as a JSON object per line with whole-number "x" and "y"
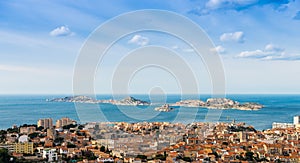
{"x": 250, "y": 93}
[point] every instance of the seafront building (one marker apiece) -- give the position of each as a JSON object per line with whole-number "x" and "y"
{"x": 296, "y": 123}
{"x": 282, "y": 125}
{"x": 296, "y": 120}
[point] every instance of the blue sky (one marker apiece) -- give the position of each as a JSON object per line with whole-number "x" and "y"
{"x": 258, "y": 42}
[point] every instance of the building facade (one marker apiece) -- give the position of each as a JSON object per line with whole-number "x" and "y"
{"x": 26, "y": 147}
{"x": 27, "y": 130}
{"x": 46, "y": 123}
{"x": 282, "y": 125}
{"x": 64, "y": 122}
{"x": 296, "y": 120}
{"x": 50, "y": 155}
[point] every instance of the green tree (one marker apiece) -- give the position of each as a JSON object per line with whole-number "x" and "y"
{"x": 69, "y": 126}
{"x": 2, "y": 135}
{"x": 40, "y": 128}
{"x": 12, "y": 130}
{"x": 249, "y": 156}
{"x": 187, "y": 159}
{"x": 102, "y": 149}
{"x": 4, "y": 156}
{"x": 161, "y": 157}
{"x": 70, "y": 145}
{"x": 33, "y": 135}
{"x": 141, "y": 157}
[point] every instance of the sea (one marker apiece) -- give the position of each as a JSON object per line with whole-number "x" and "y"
{"x": 27, "y": 109}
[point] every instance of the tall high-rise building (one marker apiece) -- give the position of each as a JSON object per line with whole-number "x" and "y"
{"x": 46, "y": 123}
{"x": 296, "y": 120}
{"x": 64, "y": 122}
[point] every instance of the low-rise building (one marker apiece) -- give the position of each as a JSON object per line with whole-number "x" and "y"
{"x": 50, "y": 155}
{"x": 26, "y": 147}
{"x": 282, "y": 125}
{"x": 27, "y": 130}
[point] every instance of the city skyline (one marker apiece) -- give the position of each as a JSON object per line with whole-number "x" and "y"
{"x": 256, "y": 40}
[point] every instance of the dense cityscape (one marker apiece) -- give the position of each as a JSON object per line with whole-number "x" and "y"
{"x": 67, "y": 141}
{"x": 139, "y": 81}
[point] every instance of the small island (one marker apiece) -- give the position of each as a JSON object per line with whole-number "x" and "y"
{"x": 164, "y": 108}
{"x": 130, "y": 101}
{"x": 219, "y": 103}
{"x": 86, "y": 99}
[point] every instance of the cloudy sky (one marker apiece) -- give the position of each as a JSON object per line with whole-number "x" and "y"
{"x": 258, "y": 42}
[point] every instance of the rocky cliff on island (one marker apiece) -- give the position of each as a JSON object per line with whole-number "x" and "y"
{"x": 164, "y": 108}
{"x": 78, "y": 99}
{"x": 219, "y": 103}
{"x": 86, "y": 99}
{"x": 131, "y": 101}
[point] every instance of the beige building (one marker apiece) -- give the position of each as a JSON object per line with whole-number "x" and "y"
{"x": 27, "y": 130}
{"x": 46, "y": 123}
{"x": 26, "y": 147}
{"x": 64, "y": 122}
{"x": 51, "y": 133}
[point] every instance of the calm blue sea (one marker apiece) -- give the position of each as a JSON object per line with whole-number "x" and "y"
{"x": 28, "y": 109}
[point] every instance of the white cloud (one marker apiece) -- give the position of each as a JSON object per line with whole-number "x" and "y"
{"x": 188, "y": 50}
{"x": 216, "y": 4}
{"x": 61, "y": 31}
{"x": 219, "y": 49}
{"x": 235, "y": 36}
{"x": 13, "y": 68}
{"x": 139, "y": 40}
{"x": 253, "y": 54}
{"x": 273, "y": 48}
{"x": 175, "y": 47}
{"x": 213, "y": 4}
{"x": 270, "y": 52}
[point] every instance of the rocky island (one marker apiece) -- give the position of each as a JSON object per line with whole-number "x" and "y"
{"x": 86, "y": 99}
{"x": 78, "y": 99}
{"x": 219, "y": 103}
{"x": 130, "y": 101}
{"x": 164, "y": 108}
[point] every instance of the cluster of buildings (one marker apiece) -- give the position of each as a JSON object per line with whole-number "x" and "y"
{"x": 197, "y": 142}
{"x": 132, "y": 139}
{"x": 152, "y": 142}
{"x": 296, "y": 123}
{"x": 48, "y": 122}
{"x": 35, "y": 142}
